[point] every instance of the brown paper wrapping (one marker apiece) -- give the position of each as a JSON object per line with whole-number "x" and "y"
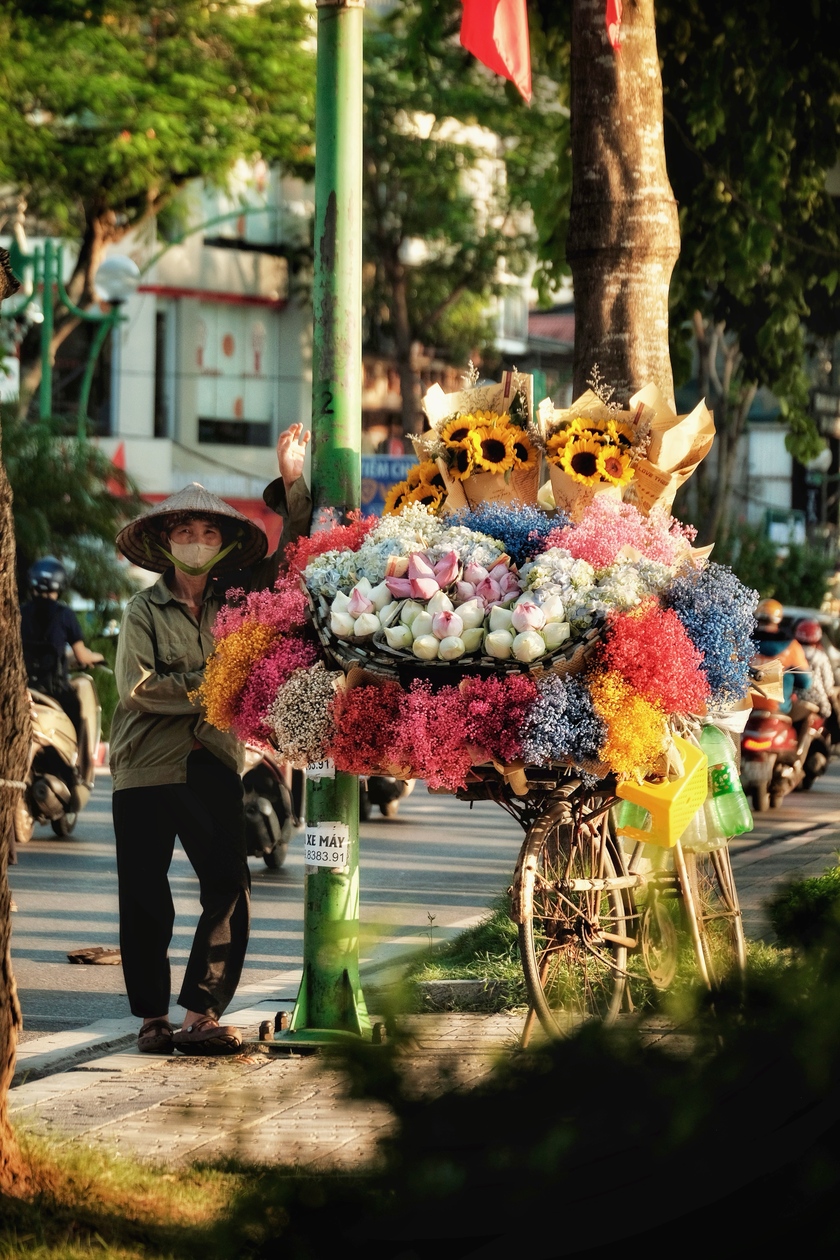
{"x": 678, "y": 444}
{"x": 572, "y": 497}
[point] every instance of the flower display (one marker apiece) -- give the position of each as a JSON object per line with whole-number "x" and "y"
{"x": 718, "y": 613}
{"x": 595, "y": 451}
{"x": 300, "y": 717}
{"x": 365, "y": 728}
{"x": 523, "y": 529}
{"x": 608, "y": 527}
{"x": 650, "y": 649}
{"x": 562, "y": 724}
{"x": 430, "y": 741}
{"x": 268, "y": 674}
{"x": 229, "y": 670}
{"x": 495, "y": 712}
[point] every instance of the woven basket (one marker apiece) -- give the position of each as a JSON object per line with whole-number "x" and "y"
{"x": 375, "y": 655}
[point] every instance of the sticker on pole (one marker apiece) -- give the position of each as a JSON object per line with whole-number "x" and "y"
{"x": 327, "y": 845}
{"x": 320, "y": 770}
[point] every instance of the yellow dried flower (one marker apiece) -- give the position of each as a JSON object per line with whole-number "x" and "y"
{"x": 637, "y": 729}
{"x": 228, "y": 670}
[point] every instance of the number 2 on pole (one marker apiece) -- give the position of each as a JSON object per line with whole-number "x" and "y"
{"x": 327, "y": 402}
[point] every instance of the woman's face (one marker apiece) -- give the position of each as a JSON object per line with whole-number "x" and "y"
{"x": 196, "y": 531}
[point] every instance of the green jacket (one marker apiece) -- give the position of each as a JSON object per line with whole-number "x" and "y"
{"x": 160, "y": 659}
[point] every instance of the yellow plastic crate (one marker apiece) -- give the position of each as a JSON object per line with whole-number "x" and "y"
{"x": 671, "y": 805}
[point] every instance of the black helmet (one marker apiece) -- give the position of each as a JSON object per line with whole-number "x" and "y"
{"x": 48, "y": 575}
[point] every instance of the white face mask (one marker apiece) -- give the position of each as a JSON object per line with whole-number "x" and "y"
{"x": 194, "y": 556}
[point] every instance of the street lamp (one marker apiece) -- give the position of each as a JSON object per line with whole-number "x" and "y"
{"x": 116, "y": 279}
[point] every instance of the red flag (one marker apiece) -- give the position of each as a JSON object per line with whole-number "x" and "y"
{"x": 116, "y": 485}
{"x": 496, "y": 32}
{"x": 614, "y": 23}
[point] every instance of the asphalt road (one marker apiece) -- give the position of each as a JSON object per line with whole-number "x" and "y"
{"x": 424, "y": 875}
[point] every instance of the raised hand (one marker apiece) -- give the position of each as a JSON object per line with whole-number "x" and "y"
{"x": 291, "y": 452}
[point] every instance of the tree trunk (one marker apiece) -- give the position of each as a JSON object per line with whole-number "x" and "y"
{"x": 14, "y": 749}
{"x": 412, "y": 419}
{"x": 623, "y": 231}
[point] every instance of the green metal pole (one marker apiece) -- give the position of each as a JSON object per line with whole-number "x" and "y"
{"x": 330, "y": 1005}
{"x": 45, "y": 393}
{"x": 105, "y": 325}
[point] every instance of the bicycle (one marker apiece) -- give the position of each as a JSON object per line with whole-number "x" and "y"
{"x": 591, "y": 920}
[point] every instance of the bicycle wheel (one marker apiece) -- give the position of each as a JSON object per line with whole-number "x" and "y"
{"x": 718, "y": 914}
{"x": 572, "y": 942}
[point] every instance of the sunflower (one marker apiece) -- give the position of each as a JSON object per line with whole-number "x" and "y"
{"x": 395, "y": 498}
{"x": 556, "y": 444}
{"x": 492, "y": 448}
{"x": 462, "y": 463}
{"x": 429, "y": 496}
{"x": 525, "y": 453}
{"x": 580, "y": 460}
{"x": 456, "y": 431}
{"x": 414, "y": 476}
{"x": 622, "y": 434}
{"x": 614, "y": 465}
{"x": 430, "y": 475}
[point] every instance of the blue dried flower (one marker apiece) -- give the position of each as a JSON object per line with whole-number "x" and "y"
{"x": 561, "y": 723}
{"x": 522, "y": 529}
{"x": 718, "y": 613}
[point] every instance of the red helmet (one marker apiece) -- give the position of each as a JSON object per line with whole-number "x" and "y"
{"x": 808, "y": 632}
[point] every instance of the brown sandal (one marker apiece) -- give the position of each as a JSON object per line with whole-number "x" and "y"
{"x": 207, "y": 1036}
{"x": 156, "y": 1037}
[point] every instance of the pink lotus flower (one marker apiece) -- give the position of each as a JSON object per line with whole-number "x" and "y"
{"x": 509, "y": 584}
{"x": 419, "y": 566}
{"x": 446, "y": 624}
{"x": 400, "y": 587}
{"x": 424, "y": 588}
{"x": 500, "y": 569}
{"x": 463, "y": 592}
{"x": 358, "y": 603}
{"x": 422, "y": 577}
{"x": 475, "y": 573}
{"x": 489, "y": 591}
{"x": 527, "y": 616}
{"x": 397, "y": 566}
{"x": 446, "y": 569}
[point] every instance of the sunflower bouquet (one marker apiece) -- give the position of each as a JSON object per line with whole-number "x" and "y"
{"x": 482, "y": 443}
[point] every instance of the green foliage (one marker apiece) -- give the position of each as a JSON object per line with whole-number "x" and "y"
{"x": 65, "y": 505}
{"x": 487, "y": 951}
{"x": 107, "y": 109}
{"x": 806, "y": 914}
{"x": 799, "y": 577}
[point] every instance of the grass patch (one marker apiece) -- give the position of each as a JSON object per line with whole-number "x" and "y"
{"x": 807, "y": 911}
{"x": 487, "y": 951}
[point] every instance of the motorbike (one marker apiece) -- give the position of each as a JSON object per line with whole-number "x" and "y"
{"x": 62, "y": 762}
{"x": 274, "y": 805}
{"x": 384, "y": 791}
{"x": 780, "y": 751}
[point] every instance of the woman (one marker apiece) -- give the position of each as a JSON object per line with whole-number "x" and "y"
{"x": 174, "y": 774}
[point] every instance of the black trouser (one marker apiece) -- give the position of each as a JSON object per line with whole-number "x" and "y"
{"x": 206, "y": 815}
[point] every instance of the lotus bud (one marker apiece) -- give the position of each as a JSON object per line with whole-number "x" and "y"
{"x": 555, "y": 632}
{"x": 419, "y": 566}
{"x": 499, "y": 644}
{"x": 390, "y": 612}
{"x": 500, "y": 570}
{"x": 451, "y": 648}
{"x": 510, "y": 585}
{"x": 398, "y": 636}
{"x": 340, "y": 602}
{"x": 439, "y": 603}
{"x": 553, "y": 609}
{"x": 446, "y": 569}
{"x": 489, "y": 590}
{"x": 365, "y": 587}
{"x": 358, "y": 603}
{"x": 447, "y": 625}
{"x": 500, "y": 618}
{"x": 528, "y": 646}
{"x": 366, "y": 625}
{"x": 472, "y": 613}
{"x": 409, "y": 611}
{"x": 426, "y": 647}
{"x": 422, "y": 624}
{"x": 380, "y": 596}
{"x": 400, "y": 588}
{"x": 527, "y": 617}
{"x": 463, "y": 592}
{"x": 396, "y": 566}
{"x": 472, "y": 639}
{"x": 341, "y": 625}
{"x": 424, "y": 588}
{"x": 475, "y": 573}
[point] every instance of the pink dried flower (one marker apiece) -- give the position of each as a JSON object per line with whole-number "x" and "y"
{"x": 284, "y": 608}
{"x": 608, "y": 526}
{"x": 495, "y": 711}
{"x": 266, "y": 678}
{"x": 431, "y": 737}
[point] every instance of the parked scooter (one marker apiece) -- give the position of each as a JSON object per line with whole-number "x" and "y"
{"x": 384, "y": 791}
{"x": 62, "y": 764}
{"x": 274, "y": 805}
{"x": 782, "y": 751}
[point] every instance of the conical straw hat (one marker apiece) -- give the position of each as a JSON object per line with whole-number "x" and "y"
{"x": 138, "y": 541}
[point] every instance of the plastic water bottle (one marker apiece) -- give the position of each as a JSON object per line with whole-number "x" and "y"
{"x": 629, "y": 815}
{"x": 727, "y": 796}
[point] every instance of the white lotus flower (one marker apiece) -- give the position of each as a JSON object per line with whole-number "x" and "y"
{"x": 499, "y": 643}
{"x": 528, "y": 646}
{"x": 556, "y": 632}
{"x": 439, "y": 603}
{"x": 452, "y": 647}
{"x": 366, "y": 625}
{"x": 500, "y": 618}
{"x": 410, "y": 609}
{"x": 471, "y": 613}
{"x": 398, "y": 636}
{"x": 426, "y": 647}
{"x": 422, "y": 624}
{"x": 472, "y": 638}
{"x": 341, "y": 625}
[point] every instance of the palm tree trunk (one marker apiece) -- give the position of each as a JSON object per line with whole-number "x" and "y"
{"x": 623, "y": 232}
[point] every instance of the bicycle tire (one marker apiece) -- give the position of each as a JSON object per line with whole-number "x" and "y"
{"x": 718, "y": 915}
{"x": 572, "y": 975}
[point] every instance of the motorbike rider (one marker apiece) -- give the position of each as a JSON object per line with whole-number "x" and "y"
{"x": 822, "y": 692}
{"x": 48, "y": 627}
